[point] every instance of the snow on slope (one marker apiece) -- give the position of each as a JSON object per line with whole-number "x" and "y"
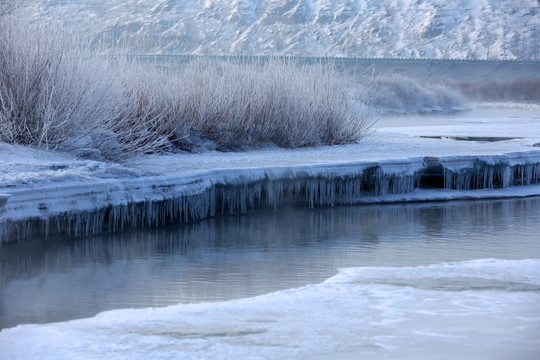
{"x": 460, "y": 29}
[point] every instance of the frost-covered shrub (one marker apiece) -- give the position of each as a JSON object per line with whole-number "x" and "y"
{"x": 53, "y": 91}
{"x": 449, "y": 99}
{"x": 57, "y": 93}
{"x": 9, "y": 6}
{"x": 152, "y": 101}
{"x": 277, "y": 101}
{"x": 525, "y": 90}
{"x": 403, "y": 95}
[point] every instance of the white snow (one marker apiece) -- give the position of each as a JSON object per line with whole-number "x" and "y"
{"x": 482, "y": 309}
{"x": 464, "y": 29}
{"x": 81, "y": 196}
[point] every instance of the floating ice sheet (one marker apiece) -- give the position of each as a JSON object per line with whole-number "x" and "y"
{"x": 371, "y": 313}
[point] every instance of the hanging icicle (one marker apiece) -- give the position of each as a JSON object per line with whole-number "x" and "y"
{"x": 321, "y": 187}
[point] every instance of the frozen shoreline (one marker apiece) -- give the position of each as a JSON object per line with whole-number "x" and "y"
{"x": 405, "y": 159}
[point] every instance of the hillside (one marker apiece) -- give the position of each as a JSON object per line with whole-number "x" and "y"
{"x": 460, "y": 29}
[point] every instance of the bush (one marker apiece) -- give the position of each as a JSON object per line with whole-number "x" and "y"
{"x": 9, "y": 6}
{"x": 52, "y": 91}
{"x": 403, "y": 95}
{"x": 526, "y": 91}
{"x": 56, "y": 93}
{"x": 277, "y": 101}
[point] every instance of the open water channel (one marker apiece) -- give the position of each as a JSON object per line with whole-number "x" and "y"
{"x": 459, "y": 276}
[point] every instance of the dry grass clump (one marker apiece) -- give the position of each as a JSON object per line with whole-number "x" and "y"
{"x": 49, "y": 93}
{"x": 56, "y": 93}
{"x": 278, "y": 101}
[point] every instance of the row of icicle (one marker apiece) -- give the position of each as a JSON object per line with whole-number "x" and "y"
{"x": 237, "y": 199}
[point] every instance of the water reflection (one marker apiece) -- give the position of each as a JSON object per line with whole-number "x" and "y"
{"x": 238, "y": 256}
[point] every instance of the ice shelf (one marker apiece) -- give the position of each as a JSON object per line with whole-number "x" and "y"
{"x": 149, "y": 201}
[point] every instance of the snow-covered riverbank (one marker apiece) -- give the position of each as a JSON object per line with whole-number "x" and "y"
{"x": 484, "y": 153}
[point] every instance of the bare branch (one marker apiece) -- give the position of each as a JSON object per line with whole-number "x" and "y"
{"x": 9, "y": 6}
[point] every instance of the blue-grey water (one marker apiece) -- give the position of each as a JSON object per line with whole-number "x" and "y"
{"x": 244, "y": 256}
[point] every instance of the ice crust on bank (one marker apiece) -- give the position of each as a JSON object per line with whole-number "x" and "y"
{"x": 483, "y": 309}
{"x": 112, "y": 205}
{"x": 45, "y": 193}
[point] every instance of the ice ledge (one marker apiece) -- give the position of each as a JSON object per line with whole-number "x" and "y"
{"x": 96, "y": 205}
{"x": 3, "y": 199}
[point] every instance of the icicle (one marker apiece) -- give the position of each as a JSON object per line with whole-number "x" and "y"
{"x": 320, "y": 189}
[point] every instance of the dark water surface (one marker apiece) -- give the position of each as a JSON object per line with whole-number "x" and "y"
{"x": 242, "y": 256}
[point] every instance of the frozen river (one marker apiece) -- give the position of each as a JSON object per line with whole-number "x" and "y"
{"x": 449, "y": 280}
{"x": 456, "y": 279}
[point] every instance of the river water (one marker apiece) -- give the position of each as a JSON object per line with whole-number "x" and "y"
{"x": 416, "y": 279}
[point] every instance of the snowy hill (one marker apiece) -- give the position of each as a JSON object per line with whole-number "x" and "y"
{"x": 459, "y": 29}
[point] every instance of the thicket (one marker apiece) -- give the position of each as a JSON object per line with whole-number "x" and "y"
{"x": 524, "y": 91}
{"x": 57, "y": 93}
{"x": 403, "y": 95}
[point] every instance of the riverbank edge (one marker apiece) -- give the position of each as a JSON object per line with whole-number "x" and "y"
{"x": 80, "y": 208}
